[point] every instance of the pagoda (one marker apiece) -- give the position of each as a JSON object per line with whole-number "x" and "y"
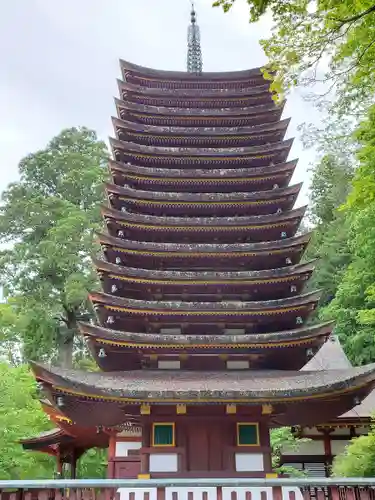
{"x": 203, "y": 321}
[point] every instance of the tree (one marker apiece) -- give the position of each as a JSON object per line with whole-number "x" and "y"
{"x": 20, "y": 416}
{"x": 49, "y": 218}
{"x": 358, "y": 460}
{"x": 330, "y": 185}
{"x": 353, "y": 307}
{"x": 323, "y": 41}
{"x": 329, "y": 188}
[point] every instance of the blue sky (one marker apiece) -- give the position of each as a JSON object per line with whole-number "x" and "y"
{"x": 59, "y": 64}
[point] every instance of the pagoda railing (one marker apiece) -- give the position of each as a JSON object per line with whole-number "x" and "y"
{"x": 191, "y": 489}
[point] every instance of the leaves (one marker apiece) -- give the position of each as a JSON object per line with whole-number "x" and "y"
{"x": 20, "y": 416}
{"x": 358, "y": 460}
{"x": 49, "y": 219}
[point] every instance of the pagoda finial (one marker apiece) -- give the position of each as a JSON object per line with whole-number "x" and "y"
{"x": 194, "y": 54}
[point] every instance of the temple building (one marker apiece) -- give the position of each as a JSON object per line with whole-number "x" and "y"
{"x": 323, "y": 442}
{"x": 202, "y": 325}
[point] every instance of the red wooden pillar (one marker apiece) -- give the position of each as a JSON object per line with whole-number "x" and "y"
{"x": 146, "y": 443}
{"x": 111, "y": 457}
{"x": 59, "y": 464}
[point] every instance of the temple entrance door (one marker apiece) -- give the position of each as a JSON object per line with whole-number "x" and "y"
{"x": 205, "y": 447}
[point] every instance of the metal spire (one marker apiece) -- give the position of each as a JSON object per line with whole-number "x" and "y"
{"x": 194, "y": 54}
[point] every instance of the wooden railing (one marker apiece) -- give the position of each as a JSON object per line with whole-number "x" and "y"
{"x": 191, "y": 489}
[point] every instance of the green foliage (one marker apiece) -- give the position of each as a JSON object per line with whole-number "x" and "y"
{"x": 93, "y": 464}
{"x": 329, "y": 188}
{"x": 21, "y": 416}
{"x": 282, "y": 438}
{"x": 49, "y": 218}
{"x": 325, "y": 44}
{"x": 358, "y": 460}
{"x": 354, "y": 305}
{"x": 330, "y": 185}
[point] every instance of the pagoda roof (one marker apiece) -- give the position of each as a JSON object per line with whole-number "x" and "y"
{"x": 202, "y": 248}
{"x": 215, "y": 174}
{"x": 149, "y": 109}
{"x": 224, "y": 308}
{"x": 201, "y": 131}
{"x": 183, "y": 75}
{"x": 286, "y": 338}
{"x": 245, "y": 386}
{"x": 201, "y": 223}
{"x": 191, "y": 277}
{"x": 252, "y": 90}
{"x": 171, "y": 197}
{"x": 187, "y": 151}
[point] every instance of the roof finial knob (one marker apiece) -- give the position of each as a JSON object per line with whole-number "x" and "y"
{"x": 192, "y": 13}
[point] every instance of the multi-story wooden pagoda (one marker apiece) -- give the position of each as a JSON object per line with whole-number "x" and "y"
{"x": 203, "y": 323}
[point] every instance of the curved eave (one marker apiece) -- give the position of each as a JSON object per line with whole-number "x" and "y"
{"x": 201, "y": 175}
{"x": 45, "y": 439}
{"x": 284, "y": 339}
{"x": 178, "y": 308}
{"x": 246, "y": 387}
{"x": 255, "y": 197}
{"x": 262, "y": 89}
{"x": 192, "y": 278}
{"x": 207, "y": 223}
{"x": 186, "y": 249}
{"x": 160, "y": 74}
{"x": 209, "y": 132}
{"x": 212, "y": 113}
{"x": 133, "y": 148}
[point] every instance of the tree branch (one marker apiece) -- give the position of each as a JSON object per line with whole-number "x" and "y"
{"x": 355, "y": 17}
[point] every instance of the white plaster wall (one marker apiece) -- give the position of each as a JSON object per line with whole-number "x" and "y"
{"x": 311, "y": 431}
{"x": 170, "y": 364}
{"x": 122, "y": 447}
{"x": 249, "y": 462}
{"x": 240, "y": 364}
{"x": 309, "y": 448}
{"x": 338, "y": 447}
{"x": 343, "y": 431}
{"x": 362, "y": 430}
{"x": 163, "y": 462}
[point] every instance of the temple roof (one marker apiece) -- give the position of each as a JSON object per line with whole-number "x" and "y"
{"x": 183, "y": 75}
{"x": 169, "y": 197}
{"x": 47, "y": 437}
{"x": 190, "y": 248}
{"x": 246, "y": 386}
{"x": 211, "y": 173}
{"x": 260, "y": 340}
{"x": 255, "y": 90}
{"x": 206, "y": 276}
{"x": 202, "y": 152}
{"x": 202, "y": 132}
{"x": 331, "y": 356}
{"x": 202, "y": 223}
{"x": 235, "y": 307}
{"x": 218, "y": 113}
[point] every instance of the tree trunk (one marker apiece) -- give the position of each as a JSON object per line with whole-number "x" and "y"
{"x": 66, "y": 352}
{"x": 66, "y": 339}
